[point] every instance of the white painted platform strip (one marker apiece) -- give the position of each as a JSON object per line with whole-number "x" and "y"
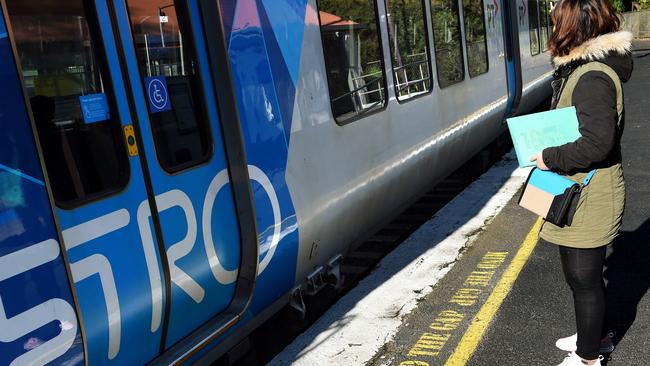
{"x": 357, "y": 326}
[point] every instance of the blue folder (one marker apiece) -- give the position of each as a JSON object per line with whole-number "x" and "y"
{"x": 534, "y": 132}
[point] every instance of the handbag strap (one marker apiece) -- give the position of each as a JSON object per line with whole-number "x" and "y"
{"x": 588, "y": 178}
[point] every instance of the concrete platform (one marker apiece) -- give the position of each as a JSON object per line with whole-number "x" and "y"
{"x": 641, "y": 44}
{"x": 487, "y": 293}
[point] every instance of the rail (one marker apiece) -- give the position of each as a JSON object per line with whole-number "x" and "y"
{"x": 412, "y": 87}
{"x": 411, "y": 79}
{"x": 361, "y": 94}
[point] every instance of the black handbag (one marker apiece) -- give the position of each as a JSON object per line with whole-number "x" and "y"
{"x": 552, "y": 196}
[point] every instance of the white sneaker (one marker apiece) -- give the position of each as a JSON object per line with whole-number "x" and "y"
{"x": 574, "y": 360}
{"x": 569, "y": 344}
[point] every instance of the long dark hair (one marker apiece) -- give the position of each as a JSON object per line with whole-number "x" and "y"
{"x": 576, "y": 21}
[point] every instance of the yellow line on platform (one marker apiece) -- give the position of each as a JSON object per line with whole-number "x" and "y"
{"x": 481, "y": 321}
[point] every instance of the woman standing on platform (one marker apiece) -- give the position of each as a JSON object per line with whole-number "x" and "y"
{"x": 592, "y": 57}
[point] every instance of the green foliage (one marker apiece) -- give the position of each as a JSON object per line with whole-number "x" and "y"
{"x": 475, "y": 37}
{"x": 644, "y": 4}
{"x": 408, "y": 44}
{"x": 618, "y": 5}
{"x": 447, "y": 36}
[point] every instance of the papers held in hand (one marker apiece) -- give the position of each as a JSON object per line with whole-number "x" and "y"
{"x": 535, "y": 132}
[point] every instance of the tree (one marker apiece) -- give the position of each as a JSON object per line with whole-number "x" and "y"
{"x": 644, "y": 4}
{"x": 630, "y": 5}
{"x": 618, "y": 5}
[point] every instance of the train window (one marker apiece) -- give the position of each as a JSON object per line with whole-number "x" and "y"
{"x": 533, "y": 23}
{"x": 353, "y": 57}
{"x": 166, "y": 60}
{"x": 68, "y": 86}
{"x": 408, "y": 46}
{"x": 544, "y": 22}
{"x": 448, "y": 43}
{"x": 475, "y": 37}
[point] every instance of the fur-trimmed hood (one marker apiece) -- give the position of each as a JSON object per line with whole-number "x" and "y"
{"x": 612, "y": 49}
{"x": 599, "y": 47}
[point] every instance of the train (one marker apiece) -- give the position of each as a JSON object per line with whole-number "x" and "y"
{"x": 174, "y": 172}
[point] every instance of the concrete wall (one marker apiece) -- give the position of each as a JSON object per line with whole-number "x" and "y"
{"x": 638, "y": 23}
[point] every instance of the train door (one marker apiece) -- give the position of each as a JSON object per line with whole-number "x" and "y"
{"x": 38, "y": 321}
{"x": 131, "y": 141}
{"x": 534, "y": 31}
{"x": 166, "y": 67}
{"x": 71, "y": 73}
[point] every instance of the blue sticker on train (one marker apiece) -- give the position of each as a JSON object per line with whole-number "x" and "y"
{"x": 94, "y": 107}
{"x": 157, "y": 94}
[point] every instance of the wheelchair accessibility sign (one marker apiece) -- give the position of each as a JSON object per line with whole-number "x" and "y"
{"x": 156, "y": 88}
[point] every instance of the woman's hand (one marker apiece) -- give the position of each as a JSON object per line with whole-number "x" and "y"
{"x": 539, "y": 160}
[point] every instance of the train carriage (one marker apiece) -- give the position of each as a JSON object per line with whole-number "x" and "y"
{"x": 174, "y": 172}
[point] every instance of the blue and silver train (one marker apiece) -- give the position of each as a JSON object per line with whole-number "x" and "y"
{"x": 173, "y": 172}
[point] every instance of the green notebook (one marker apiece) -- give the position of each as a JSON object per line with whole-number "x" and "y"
{"x": 535, "y": 132}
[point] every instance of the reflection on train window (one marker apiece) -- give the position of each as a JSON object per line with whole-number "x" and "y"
{"x": 166, "y": 60}
{"x": 70, "y": 98}
{"x": 533, "y": 22}
{"x": 448, "y": 44}
{"x": 475, "y": 37}
{"x": 544, "y": 13}
{"x": 353, "y": 57}
{"x": 408, "y": 47}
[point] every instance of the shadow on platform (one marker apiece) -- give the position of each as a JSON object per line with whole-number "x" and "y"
{"x": 628, "y": 279}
